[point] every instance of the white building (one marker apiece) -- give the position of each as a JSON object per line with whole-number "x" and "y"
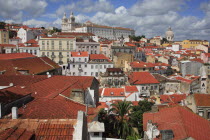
{"x": 87, "y": 46}
{"x": 69, "y": 25}
{"x": 128, "y": 93}
{"x": 25, "y": 34}
{"x": 83, "y": 64}
{"x": 170, "y": 34}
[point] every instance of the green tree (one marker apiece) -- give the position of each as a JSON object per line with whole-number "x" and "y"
{"x": 122, "y": 126}
{"x": 137, "y": 114}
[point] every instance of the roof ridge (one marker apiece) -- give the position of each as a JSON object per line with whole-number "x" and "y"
{"x": 46, "y": 62}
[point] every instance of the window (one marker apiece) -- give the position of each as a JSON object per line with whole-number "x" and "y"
{"x": 100, "y": 66}
{"x": 73, "y": 66}
{"x": 91, "y": 66}
{"x": 96, "y": 133}
{"x": 105, "y": 66}
{"x": 85, "y": 73}
{"x": 96, "y": 74}
{"x": 200, "y": 113}
{"x": 91, "y": 73}
{"x": 85, "y": 65}
{"x": 96, "y": 66}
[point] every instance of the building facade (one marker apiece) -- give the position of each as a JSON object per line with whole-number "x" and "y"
{"x": 83, "y": 64}
{"x": 57, "y": 48}
{"x": 4, "y": 36}
{"x": 69, "y": 25}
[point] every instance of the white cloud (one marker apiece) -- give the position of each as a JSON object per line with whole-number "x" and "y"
{"x": 121, "y": 10}
{"x": 16, "y": 9}
{"x": 86, "y": 6}
{"x": 156, "y": 7}
{"x": 35, "y": 23}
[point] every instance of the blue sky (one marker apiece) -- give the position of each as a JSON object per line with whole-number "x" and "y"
{"x": 189, "y": 19}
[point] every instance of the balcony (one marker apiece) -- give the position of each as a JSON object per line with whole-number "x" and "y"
{"x": 53, "y": 56}
{"x": 60, "y": 62}
{"x": 80, "y": 69}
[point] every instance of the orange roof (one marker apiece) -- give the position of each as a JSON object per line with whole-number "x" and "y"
{"x": 32, "y": 41}
{"x": 181, "y": 121}
{"x": 34, "y": 65}
{"x": 141, "y": 64}
{"x": 114, "y": 92}
{"x": 138, "y": 78}
{"x": 15, "y": 56}
{"x": 197, "y": 60}
{"x": 7, "y": 45}
{"x": 99, "y": 56}
{"x": 202, "y": 99}
{"x": 174, "y": 98}
{"x": 131, "y": 89}
{"x": 129, "y": 44}
{"x": 207, "y": 54}
{"x": 79, "y": 54}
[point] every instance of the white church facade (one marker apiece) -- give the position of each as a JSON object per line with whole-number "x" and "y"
{"x": 69, "y": 25}
{"x": 170, "y": 34}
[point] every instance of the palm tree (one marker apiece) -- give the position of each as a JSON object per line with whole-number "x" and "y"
{"x": 121, "y": 125}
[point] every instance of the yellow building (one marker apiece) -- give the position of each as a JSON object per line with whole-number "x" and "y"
{"x": 57, "y": 48}
{"x": 4, "y": 36}
{"x": 193, "y": 43}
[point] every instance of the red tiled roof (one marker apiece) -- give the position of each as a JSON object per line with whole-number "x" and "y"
{"x": 7, "y": 45}
{"x": 130, "y": 44}
{"x": 183, "y": 79}
{"x": 114, "y": 92}
{"x": 16, "y": 133}
{"x": 45, "y": 128}
{"x": 11, "y": 94}
{"x": 131, "y": 89}
{"x": 56, "y": 108}
{"x": 174, "y": 98}
{"x": 161, "y": 64}
{"x": 79, "y": 54}
{"x": 141, "y": 64}
{"x": 138, "y": 78}
{"x": 15, "y": 56}
{"x": 207, "y": 54}
{"x": 181, "y": 121}
{"x": 197, "y": 60}
{"x": 54, "y": 131}
{"x": 202, "y": 99}
{"x": 35, "y": 65}
{"x": 32, "y": 41}
{"x": 99, "y": 56}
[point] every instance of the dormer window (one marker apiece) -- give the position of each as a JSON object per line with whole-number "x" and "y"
{"x": 112, "y": 93}
{"x": 110, "y": 73}
{"x": 121, "y": 93}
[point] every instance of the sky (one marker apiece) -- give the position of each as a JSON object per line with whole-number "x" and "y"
{"x": 189, "y": 19}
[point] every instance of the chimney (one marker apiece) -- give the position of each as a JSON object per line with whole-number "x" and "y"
{"x": 14, "y": 112}
{"x": 11, "y": 84}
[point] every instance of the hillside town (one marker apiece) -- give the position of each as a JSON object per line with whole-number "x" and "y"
{"x": 88, "y": 81}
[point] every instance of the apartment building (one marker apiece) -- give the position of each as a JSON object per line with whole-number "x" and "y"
{"x": 4, "y": 36}
{"x": 57, "y": 48}
{"x": 84, "y": 64}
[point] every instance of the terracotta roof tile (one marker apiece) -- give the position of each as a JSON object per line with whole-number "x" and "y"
{"x": 99, "y": 56}
{"x": 34, "y": 65}
{"x": 202, "y": 99}
{"x": 181, "y": 121}
{"x": 79, "y": 54}
{"x": 131, "y": 89}
{"x": 138, "y": 78}
{"x": 15, "y": 56}
{"x": 114, "y": 92}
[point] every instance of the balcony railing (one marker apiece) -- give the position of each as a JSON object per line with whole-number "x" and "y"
{"x": 53, "y": 56}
